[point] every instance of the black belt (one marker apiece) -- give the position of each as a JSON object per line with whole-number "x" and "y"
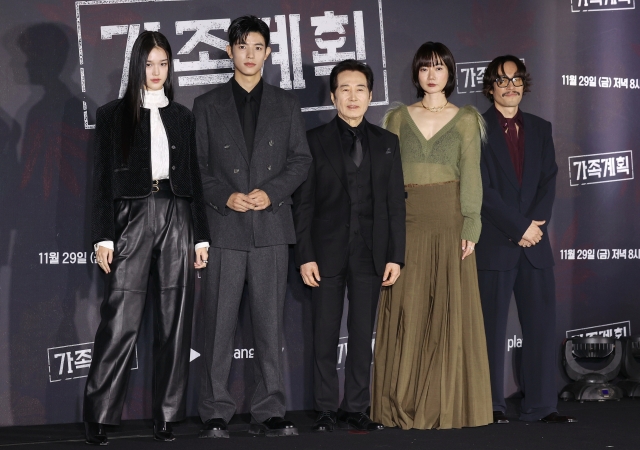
{"x": 160, "y": 185}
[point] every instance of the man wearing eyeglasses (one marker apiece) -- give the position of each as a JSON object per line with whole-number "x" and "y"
{"x": 514, "y": 254}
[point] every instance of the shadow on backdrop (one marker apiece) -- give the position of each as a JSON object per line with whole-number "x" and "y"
{"x": 49, "y": 302}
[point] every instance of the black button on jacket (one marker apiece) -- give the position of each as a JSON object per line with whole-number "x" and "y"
{"x": 114, "y": 178}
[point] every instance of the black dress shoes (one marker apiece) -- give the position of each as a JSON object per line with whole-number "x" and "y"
{"x": 556, "y": 418}
{"x": 325, "y": 421}
{"x": 95, "y": 434}
{"x": 215, "y": 428}
{"x": 358, "y": 421}
{"x": 499, "y": 417}
{"x": 162, "y": 431}
{"x": 274, "y": 426}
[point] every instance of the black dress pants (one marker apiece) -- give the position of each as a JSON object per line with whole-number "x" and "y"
{"x": 363, "y": 284}
{"x": 534, "y": 291}
{"x": 154, "y": 236}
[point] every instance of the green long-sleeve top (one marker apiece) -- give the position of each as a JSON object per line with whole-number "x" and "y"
{"x": 452, "y": 154}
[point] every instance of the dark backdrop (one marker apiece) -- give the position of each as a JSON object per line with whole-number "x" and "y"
{"x": 60, "y": 59}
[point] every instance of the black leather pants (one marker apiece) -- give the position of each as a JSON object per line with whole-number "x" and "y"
{"x": 154, "y": 236}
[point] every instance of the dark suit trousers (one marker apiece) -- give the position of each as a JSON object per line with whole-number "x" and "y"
{"x": 265, "y": 271}
{"x": 534, "y": 291}
{"x": 154, "y": 236}
{"x": 362, "y": 283}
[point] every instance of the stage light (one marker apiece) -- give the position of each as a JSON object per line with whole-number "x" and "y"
{"x": 631, "y": 366}
{"x": 592, "y": 384}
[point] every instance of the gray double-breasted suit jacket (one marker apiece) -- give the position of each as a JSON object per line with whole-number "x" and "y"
{"x": 279, "y": 164}
{"x": 249, "y": 247}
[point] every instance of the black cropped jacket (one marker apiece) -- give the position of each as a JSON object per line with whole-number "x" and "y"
{"x": 114, "y": 178}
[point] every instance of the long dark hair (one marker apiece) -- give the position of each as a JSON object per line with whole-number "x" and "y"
{"x": 134, "y": 95}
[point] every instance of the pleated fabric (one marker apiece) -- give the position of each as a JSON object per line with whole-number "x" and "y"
{"x": 430, "y": 366}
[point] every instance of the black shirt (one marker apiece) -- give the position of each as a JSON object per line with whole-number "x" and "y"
{"x": 240, "y": 95}
{"x": 347, "y": 138}
{"x": 359, "y": 183}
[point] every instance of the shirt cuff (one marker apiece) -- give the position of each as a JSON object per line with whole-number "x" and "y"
{"x": 105, "y": 244}
{"x": 202, "y": 245}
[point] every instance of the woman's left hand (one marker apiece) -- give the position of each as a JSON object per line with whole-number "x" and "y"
{"x": 202, "y": 258}
{"x": 467, "y": 248}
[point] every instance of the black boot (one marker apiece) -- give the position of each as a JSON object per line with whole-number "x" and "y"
{"x": 162, "y": 431}
{"x": 95, "y": 434}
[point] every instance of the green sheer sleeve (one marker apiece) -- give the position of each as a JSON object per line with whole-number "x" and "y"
{"x": 471, "y": 129}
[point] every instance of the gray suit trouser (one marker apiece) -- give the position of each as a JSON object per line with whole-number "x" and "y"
{"x": 265, "y": 271}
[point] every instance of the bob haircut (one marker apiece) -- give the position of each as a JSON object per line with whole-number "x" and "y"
{"x": 134, "y": 95}
{"x": 352, "y": 65}
{"x": 242, "y": 26}
{"x": 496, "y": 67}
{"x": 428, "y": 55}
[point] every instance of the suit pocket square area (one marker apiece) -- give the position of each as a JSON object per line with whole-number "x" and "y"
{"x": 388, "y": 152}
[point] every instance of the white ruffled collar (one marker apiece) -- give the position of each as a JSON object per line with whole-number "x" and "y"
{"x": 155, "y": 99}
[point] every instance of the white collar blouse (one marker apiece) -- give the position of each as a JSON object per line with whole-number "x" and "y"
{"x": 153, "y": 100}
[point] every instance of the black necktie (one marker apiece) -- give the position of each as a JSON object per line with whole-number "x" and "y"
{"x": 356, "y": 147}
{"x": 249, "y": 124}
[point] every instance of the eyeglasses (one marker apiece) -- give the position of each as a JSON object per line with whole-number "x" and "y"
{"x": 503, "y": 81}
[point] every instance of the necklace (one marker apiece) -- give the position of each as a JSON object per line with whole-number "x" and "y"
{"x": 433, "y": 109}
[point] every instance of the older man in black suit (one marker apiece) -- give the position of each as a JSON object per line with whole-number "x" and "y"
{"x": 350, "y": 224}
{"x": 514, "y": 253}
{"x": 253, "y": 155}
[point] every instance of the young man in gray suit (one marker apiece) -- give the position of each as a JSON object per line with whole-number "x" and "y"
{"x": 253, "y": 154}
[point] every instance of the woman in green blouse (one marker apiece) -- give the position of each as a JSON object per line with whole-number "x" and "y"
{"x": 431, "y": 368}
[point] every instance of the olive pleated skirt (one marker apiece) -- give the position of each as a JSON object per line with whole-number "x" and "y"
{"x": 430, "y": 366}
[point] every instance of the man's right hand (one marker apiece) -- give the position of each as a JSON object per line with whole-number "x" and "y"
{"x": 240, "y": 202}
{"x": 533, "y": 235}
{"x": 310, "y": 274}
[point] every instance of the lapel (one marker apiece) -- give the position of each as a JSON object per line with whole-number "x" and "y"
{"x": 498, "y": 144}
{"x": 530, "y": 167}
{"x": 268, "y": 111}
{"x": 379, "y": 162}
{"x": 228, "y": 113}
{"x": 332, "y": 147}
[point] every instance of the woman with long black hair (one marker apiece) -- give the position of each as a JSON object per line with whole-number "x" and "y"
{"x": 148, "y": 214}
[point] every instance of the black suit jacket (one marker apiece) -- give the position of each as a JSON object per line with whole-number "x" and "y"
{"x": 507, "y": 207}
{"x": 322, "y": 208}
{"x": 278, "y": 164}
{"x": 113, "y": 178}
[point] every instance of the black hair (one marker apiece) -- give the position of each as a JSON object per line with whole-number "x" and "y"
{"x": 352, "y": 65}
{"x": 428, "y": 55}
{"x": 134, "y": 95}
{"x": 242, "y": 26}
{"x": 496, "y": 68}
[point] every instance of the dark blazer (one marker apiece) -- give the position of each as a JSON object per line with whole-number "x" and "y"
{"x": 322, "y": 206}
{"x": 279, "y": 163}
{"x": 113, "y": 178}
{"x": 507, "y": 207}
